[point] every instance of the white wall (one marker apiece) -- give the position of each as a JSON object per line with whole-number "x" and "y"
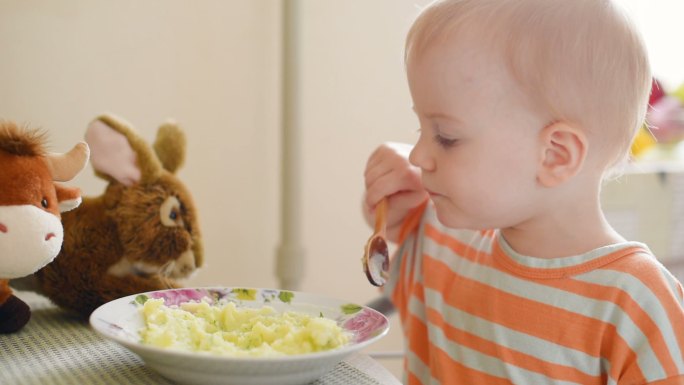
{"x": 355, "y": 97}
{"x": 658, "y": 21}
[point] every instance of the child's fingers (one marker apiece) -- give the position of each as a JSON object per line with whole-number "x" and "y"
{"x": 372, "y": 175}
{"x": 389, "y": 155}
{"x": 401, "y": 203}
{"x": 379, "y": 156}
{"x": 393, "y": 166}
{"x": 381, "y": 162}
{"x": 374, "y": 159}
{"x": 407, "y": 200}
{"x": 391, "y": 183}
{"x": 385, "y": 185}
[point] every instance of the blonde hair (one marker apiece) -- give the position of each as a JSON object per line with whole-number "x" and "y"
{"x": 581, "y": 61}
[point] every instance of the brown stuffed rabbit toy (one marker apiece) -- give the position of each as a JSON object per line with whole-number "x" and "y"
{"x": 140, "y": 235}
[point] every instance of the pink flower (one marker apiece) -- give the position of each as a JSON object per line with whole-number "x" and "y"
{"x": 179, "y": 296}
{"x": 366, "y": 325}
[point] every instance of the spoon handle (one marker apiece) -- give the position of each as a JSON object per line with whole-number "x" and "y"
{"x": 381, "y": 217}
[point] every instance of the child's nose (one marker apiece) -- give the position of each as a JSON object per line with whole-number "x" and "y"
{"x": 420, "y": 156}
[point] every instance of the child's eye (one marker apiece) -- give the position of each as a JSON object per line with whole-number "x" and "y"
{"x": 445, "y": 142}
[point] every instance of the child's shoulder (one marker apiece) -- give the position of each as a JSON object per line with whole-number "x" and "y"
{"x": 639, "y": 261}
{"x": 640, "y": 270}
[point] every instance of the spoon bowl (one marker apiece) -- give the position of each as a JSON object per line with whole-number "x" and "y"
{"x": 376, "y": 256}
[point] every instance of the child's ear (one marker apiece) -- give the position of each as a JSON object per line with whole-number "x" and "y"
{"x": 563, "y": 149}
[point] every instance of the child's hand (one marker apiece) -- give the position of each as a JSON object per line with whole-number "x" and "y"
{"x": 389, "y": 174}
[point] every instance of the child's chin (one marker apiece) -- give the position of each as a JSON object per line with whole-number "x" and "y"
{"x": 457, "y": 221}
{"x": 449, "y": 219}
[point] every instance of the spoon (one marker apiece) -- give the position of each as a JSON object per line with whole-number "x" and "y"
{"x": 376, "y": 257}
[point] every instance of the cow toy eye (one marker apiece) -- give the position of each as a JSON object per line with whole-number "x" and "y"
{"x": 173, "y": 215}
{"x": 44, "y": 203}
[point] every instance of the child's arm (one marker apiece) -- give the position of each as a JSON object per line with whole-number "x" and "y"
{"x": 389, "y": 174}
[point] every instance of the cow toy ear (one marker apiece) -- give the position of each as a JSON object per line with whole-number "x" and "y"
{"x": 69, "y": 197}
{"x": 111, "y": 154}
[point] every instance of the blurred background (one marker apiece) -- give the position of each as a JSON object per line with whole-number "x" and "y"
{"x": 215, "y": 66}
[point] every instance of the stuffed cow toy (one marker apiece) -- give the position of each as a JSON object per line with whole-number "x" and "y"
{"x": 31, "y": 204}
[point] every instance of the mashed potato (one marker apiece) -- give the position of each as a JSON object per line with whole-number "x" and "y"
{"x": 229, "y": 330}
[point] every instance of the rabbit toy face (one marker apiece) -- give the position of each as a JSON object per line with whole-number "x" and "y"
{"x": 140, "y": 235}
{"x": 157, "y": 229}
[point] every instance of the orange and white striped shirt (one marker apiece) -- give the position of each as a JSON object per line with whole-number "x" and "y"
{"x": 476, "y": 312}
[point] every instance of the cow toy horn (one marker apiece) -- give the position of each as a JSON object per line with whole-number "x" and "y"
{"x": 64, "y": 167}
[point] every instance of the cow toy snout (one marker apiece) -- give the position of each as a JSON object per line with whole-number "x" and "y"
{"x": 34, "y": 240}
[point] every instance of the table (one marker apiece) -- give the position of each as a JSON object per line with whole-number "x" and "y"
{"x": 58, "y": 348}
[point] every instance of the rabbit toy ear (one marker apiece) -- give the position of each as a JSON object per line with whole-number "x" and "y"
{"x": 111, "y": 154}
{"x": 170, "y": 146}
{"x": 122, "y": 155}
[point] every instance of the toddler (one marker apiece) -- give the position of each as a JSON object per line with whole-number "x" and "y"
{"x": 506, "y": 270}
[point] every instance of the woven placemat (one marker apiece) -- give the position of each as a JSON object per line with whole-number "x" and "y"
{"x": 56, "y": 348}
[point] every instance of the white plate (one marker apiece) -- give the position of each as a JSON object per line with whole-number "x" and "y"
{"x": 121, "y": 320}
